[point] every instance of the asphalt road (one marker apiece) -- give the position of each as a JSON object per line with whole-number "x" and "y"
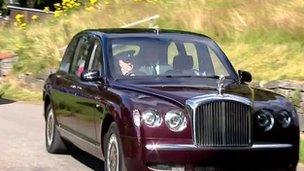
{"x": 22, "y": 143}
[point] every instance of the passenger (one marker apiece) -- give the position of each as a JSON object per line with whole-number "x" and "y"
{"x": 80, "y": 68}
{"x": 124, "y": 64}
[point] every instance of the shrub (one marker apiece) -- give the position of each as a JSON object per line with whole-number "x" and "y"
{"x": 1, "y": 3}
{"x": 3, "y": 8}
{"x": 20, "y": 22}
{"x": 41, "y": 4}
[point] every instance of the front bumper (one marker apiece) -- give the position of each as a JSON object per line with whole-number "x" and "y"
{"x": 141, "y": 154}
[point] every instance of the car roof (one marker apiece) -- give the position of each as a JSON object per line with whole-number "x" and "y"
{"x": 116, "y": 31}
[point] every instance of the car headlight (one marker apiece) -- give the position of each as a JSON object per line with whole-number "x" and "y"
{"x": 151, "y": 118}
{"x": 175, "y": 120}
{"x": 265, "y": 120}
{"x": 284, "y": 118}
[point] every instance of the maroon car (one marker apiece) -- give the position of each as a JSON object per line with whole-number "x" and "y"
{"x": 151, "y": 99}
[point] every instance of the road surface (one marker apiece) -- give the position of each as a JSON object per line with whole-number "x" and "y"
{"x": 22, "y": 145}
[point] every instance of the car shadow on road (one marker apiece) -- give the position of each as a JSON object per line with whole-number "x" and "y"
{"x": 87, "y": 159}
{"x": 5, "y": 101}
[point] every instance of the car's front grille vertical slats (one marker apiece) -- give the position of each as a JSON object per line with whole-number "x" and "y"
{"x": 222, "y": 123}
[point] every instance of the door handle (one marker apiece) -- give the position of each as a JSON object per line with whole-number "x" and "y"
{"x": 98, "y": 107}
{"x": 76, "y": 87}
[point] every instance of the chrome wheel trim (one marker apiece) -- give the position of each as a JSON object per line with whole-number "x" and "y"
{"x": 113, "y": 154}
{"x": 50, "y": 128}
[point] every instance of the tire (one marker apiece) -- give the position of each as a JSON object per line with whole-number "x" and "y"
{"x": 292, "y": 169}
{"x": 53, "y": 141}
{"x": 111, "y": 143}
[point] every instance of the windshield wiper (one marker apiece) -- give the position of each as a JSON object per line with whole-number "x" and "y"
{"x": 217, "y": 77}
{"x": 192, "y": 76}
{"x": 195, "y": 76}
{"x": 211, "y": 76}
{"x": 182, "y": 76}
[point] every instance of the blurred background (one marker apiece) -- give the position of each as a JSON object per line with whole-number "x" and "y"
{"x": 264, "y": 37}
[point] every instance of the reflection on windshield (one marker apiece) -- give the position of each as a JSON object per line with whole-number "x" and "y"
{"x": 165, "y": 57}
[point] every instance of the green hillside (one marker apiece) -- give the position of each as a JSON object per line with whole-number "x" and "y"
{"x": 264, "y": 37}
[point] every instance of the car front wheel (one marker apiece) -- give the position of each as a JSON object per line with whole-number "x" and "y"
{"x": 113, "y": 150}
{"x": 54, "y": 143}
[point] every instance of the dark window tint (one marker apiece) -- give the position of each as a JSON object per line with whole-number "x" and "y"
{"x": 95, "y": 62}
{"x": 167, "y": 56}
{"x": 82, "y": 54}
{"x": 67, "y": 58}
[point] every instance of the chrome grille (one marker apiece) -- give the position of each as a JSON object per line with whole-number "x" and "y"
{"x": 223, "y": 123}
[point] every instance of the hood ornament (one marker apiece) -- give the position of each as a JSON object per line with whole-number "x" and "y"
{"x": 220, "y": 85}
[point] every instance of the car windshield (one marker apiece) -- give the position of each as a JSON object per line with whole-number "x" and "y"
{"x": 167, "y": 56}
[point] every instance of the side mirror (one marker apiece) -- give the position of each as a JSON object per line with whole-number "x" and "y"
{"x": 245, "y": 76}
{"x": 91, "y": 75}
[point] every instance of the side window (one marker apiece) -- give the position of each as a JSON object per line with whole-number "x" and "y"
{"x": 95, "y": 62}
{"x": 172, "y": 52}
{"x": 82, "y": 54}
{"x": 219, "y": 68}
{"x": 191, "y": 51}
{"x": 68, "y": 55}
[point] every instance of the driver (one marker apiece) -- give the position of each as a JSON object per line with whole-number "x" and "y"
{"x": 126, "y": 66}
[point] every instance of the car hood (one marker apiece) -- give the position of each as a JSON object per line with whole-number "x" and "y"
{"x": 180, "y": 93}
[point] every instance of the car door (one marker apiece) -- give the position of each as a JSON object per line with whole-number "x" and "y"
{"x": 81, "y": 55}
{"x": 62, "y": 91}
{"x": 89, "y": 94}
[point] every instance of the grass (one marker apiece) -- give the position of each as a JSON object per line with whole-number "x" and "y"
{"x": 302, "y": 151}
{"x": 17, "y": 92}
{"x": 266, "y": 38}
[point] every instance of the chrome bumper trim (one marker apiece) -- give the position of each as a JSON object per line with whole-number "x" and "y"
{"x": 168, "y": 147}
{"x": 271, "y": 146}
